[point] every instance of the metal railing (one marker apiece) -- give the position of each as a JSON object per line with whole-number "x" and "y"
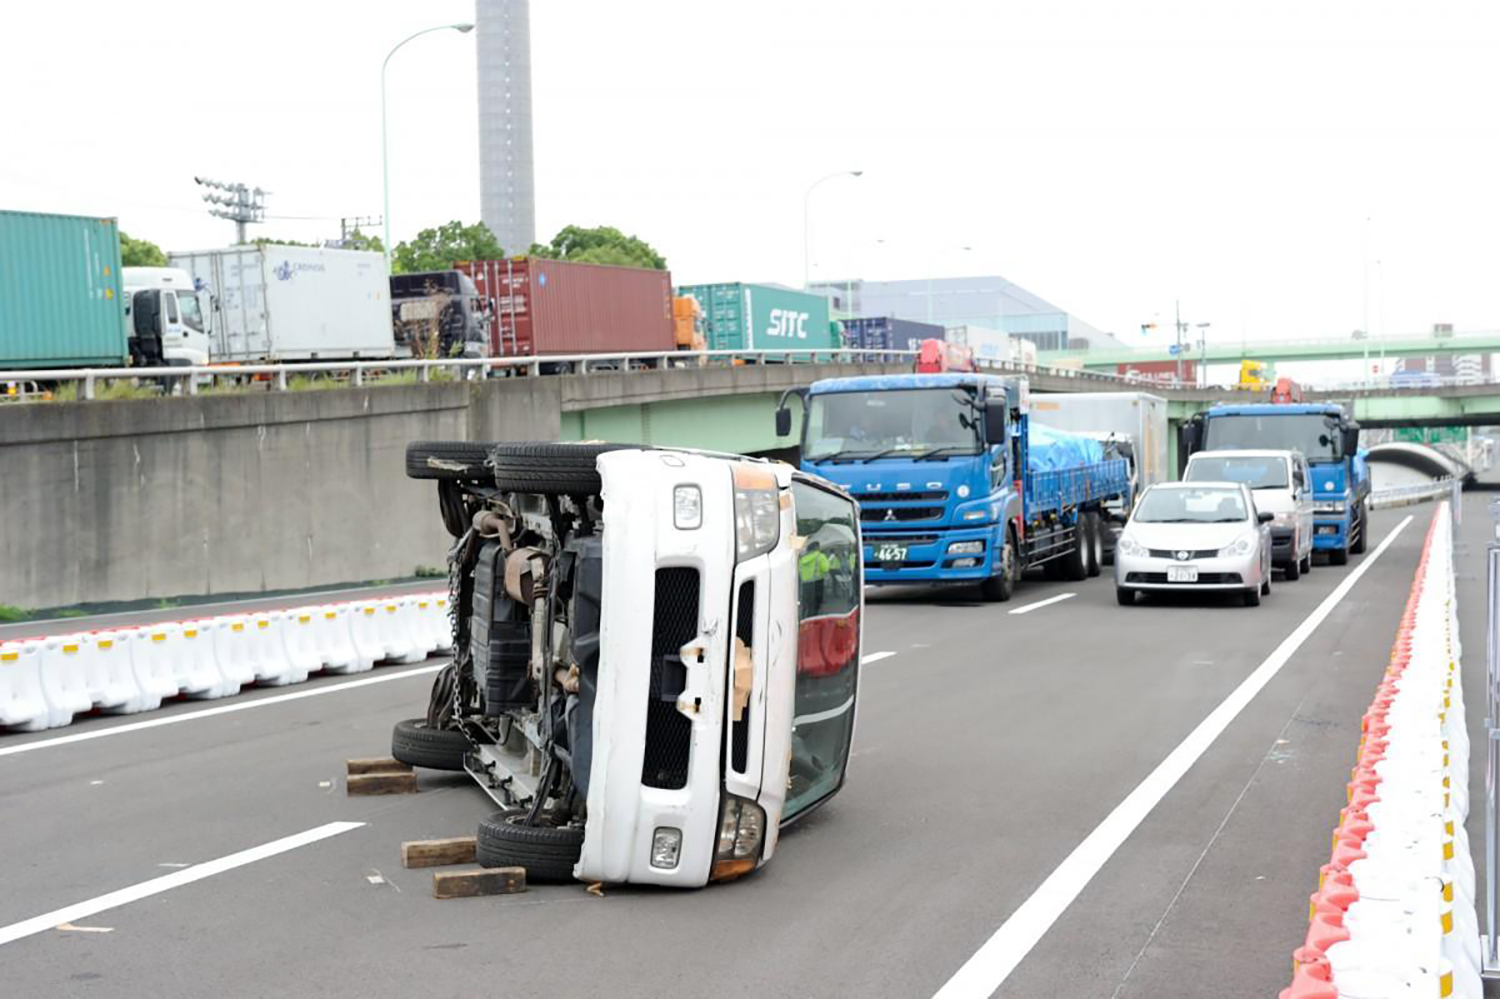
{"x": 192, "y": 379}
{"x": 1381, "y": 499}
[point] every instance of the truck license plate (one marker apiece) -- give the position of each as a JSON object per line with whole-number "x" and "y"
{"x": 1182, "y": 574}
{"x": 890, "y": 553}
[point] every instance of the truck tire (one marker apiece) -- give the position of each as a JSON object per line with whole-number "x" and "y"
{"x": 1093, "y": 534}
{"x": 1075, "y": 564}
{"x": 1360, "y": 543}
{"x": 999, "y": 587}
{"x": 416, "y": 744}
{"x": 1339, "y": 556}
{"x": 453, "y": 461}
{"x": 551, "y": 469}
{"x": 548, "y": 853}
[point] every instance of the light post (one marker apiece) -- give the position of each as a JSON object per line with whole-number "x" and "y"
{"x": 806, "y": 244}
{"x": 931, "y": 263}
{"x": 385, "y": 161}
{"x": 1202, "y": 379}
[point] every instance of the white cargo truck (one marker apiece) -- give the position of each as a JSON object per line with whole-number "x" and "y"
{"x": 170, "y": 306}
{"x": 294, "y": 303}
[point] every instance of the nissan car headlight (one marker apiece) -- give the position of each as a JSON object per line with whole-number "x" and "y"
{"x": 1130, "y": 547}
{"x": 742, "y": 830}
{"x": 1241, "y": 546}
{"x": 757, "y": 511}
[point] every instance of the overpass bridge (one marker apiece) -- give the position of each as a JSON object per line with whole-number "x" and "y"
{"x": 1316, "y": 349}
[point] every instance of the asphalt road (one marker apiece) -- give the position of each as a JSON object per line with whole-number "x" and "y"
{"x": 990, "y": 745}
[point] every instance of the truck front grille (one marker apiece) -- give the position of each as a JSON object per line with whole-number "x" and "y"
{"x": 669, "y": 733}
{"x": 898, "y": 514}
{"x": 933, "y": 496}
{"x": 744, "y": 630}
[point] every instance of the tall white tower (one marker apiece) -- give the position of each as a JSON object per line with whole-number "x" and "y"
{"x": 507, "y": 191}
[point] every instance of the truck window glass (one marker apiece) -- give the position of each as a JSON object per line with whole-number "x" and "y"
{"x": 827, "y": 644}
{"x": 169, "y": 303}
{"x": 1309, "y": 433}
{"x": 191, "y": 317}
{"x": 867, "y": 423}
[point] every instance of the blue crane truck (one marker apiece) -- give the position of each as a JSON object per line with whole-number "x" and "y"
{"x": 1329, "y": 439}
{"x": 954, "y": 483}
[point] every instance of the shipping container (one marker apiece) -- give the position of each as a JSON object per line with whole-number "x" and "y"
{"x": 989, "y": 346}
{"x": 60, "y": 303}
{"x": 763, "y": 317}
{"x": 294, "y": 303}
{"x": 888, "y": 333}
{"x": 1159, "y": 371}
{"x": 545, "y": 307}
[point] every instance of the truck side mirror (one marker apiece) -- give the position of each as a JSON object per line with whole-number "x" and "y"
{"x": 994, "y": 421}
{"x": 783, "y": 422}
{"x": 1189, "y": 437}
{"x": 1351, "y": 440}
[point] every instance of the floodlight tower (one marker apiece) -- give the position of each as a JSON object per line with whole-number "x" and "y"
{"x": 237, "y": 203}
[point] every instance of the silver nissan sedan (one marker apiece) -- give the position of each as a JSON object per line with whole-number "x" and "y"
{"x": 1195, "y": 536}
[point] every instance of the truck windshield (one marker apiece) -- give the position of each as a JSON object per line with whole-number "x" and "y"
{"x": 188, "y": 302}
{"x": 1257, "y": 473}
{"x": 891, "y": 424}
{"x": 1314, "y": 434}
{"x": 1177, "y": 505}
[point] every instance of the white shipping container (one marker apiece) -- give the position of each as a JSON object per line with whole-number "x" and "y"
{"x": 989, "y": 345}
{"x": 1137, "y": 416}
{"x": 294, "y": 303}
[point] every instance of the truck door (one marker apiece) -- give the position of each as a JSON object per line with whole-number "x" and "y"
{"x": 830, "y": 599}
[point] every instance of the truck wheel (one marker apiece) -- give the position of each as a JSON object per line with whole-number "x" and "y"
{"x": 1339, "y": 556}
{"x": 1075, "y": 564}
{"x": 414, "y": 743}
{"x": 1093, "y": 532}
{"x": 454, "y": 461}
{"x": 552, "y": 469}
{"x": 999, "y": 588}
{"x": 1357, "y": 547}
{"x": 1124, "y": 596}
{"x": 548, "y": 853}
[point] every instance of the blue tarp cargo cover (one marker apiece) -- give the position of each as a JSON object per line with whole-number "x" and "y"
{"x": 1049, "y": 450}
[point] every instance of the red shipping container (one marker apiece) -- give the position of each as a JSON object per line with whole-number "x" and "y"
{"x": 1160, "y": 371}
{"x": 543, "y": 307}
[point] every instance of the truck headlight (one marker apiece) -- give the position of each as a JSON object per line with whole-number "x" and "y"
{"x": 1130, "y": 547}
{"x": 757, "y": 510}
{"x": 975, "y": 514}
{"x": 1329, "y": 509}
{"x": 742, "y": 829}
{"x": 687, "y": 508}
{"x": 1241, "y": 546}
{"x": 966, "y": 548}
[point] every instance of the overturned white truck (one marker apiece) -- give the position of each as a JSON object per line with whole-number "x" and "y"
{"x": 656, "y": 656}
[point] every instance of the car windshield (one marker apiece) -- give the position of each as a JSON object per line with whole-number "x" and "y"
{"x": 1314, "y": 434}
{"x": 1179, "y": 505}
{"x": 891, "y": 423}
{"x": 1267, "y": 472}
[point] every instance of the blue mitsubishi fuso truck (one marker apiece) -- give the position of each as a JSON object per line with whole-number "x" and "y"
{"x": 954, "y": 483}
{"x": 1327, "y": 437}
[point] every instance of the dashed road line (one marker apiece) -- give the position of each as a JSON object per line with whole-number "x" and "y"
{"x": 1044, "y": 603}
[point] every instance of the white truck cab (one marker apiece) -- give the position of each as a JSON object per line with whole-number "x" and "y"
{"x": 1281, "y": 484}
{"x": 162, "y": 302}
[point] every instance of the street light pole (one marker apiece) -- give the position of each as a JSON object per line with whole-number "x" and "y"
{"x": 806, "y": 241}
{"x": 931, "y": 263}
{"x": 385, "y": 161}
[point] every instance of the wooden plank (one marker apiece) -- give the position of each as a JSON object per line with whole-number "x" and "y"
{"x": 377, "y": 765}
{"x": 484, "y": 881}
{"x": 382, "y": 783}
{"x": 437, "y": 852}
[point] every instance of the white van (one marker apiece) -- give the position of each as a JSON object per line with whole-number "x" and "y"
{"x": 1282, "y": 486}
{"x": 169, "y": 306}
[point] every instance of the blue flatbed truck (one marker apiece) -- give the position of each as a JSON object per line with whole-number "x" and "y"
{"x": 1329, "y": 439}
{"x": 941, "y": 465}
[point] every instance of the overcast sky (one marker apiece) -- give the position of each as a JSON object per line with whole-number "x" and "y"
{"x": 1247, "y": 158}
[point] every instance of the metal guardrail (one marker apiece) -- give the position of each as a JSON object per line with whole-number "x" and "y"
{"x": 1381, "y": 499}
{"x": 196, "y": 377}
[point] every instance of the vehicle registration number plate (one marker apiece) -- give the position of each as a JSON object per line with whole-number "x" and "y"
{"x": 1182, "y": 574}
{"x": 890, "y": 553}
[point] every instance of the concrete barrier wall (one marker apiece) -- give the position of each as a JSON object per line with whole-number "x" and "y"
{"x": 263, "y": 491}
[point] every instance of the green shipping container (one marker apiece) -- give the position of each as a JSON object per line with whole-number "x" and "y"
{"x": 762, "y": 317}
{"x": 60, "y": 292}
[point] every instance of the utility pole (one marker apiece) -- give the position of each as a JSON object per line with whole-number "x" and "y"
{"x": 349, "y": 226}
{"x": 1177, "y": 307}
{"x": 239, "y": 204}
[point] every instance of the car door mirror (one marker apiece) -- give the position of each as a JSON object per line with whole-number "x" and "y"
{"x": 1265, "y": 516}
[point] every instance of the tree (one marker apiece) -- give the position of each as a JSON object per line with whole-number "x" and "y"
{"x": 357, "y": 240}
{"x": 600, "y": 245}
{"x": 273, "y": 241}
{"x": 140, "y": 253}
{"x": 439, "y": 249}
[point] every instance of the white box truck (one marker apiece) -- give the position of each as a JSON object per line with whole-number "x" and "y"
{"x": 989, "y": 346}
{"x": 294, "y": 303}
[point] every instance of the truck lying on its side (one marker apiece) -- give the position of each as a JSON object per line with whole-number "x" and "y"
{"x": 955, "y": 483}
{"x": 656, "y": 654}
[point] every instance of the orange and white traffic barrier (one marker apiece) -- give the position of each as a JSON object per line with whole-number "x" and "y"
{"x": 64, "y": 679}
{"x": 23, "y": 706}
{"x": 336, "y": 639}
{"x": 109, "y": 674}
{"x": 1394, "y": 912}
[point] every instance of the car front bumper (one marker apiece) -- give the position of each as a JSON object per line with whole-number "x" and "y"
{"x": 1142, "y": 572}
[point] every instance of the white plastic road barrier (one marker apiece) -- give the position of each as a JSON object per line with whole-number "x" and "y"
{"x": 301, "y": 641}
{"x": 432, "y": 613}
{"x": 272, "y": 667}
{"x": 402, "y": 644}
{"x": 189, "y": 651}
{"x": 64, "y": 679}
{"x": 110, "y": 675}
{"x": 22, "y": 705}
{"x": 336, "y": 639}
{"x": 155, "y": 672}
{"x": 1394, "y": 914}
{"x": 365, "y": 629}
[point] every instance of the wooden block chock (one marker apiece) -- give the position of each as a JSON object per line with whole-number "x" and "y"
{"x": 377, "y": 765}
{"x": 437, "y": 852}
{"x": 394, "y": 783}
{"x": 484, "y": 881}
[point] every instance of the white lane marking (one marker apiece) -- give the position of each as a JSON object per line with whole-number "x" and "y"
{"x": 1044, "y": 603}
{"x": 70, "y": 928}
{"x": 207, "y": 869}
{"x": 818, "y": 716}
{"x": 875, "y": 657}
{"x": 988, "y": 969}
{"x": 223, "y": 709}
